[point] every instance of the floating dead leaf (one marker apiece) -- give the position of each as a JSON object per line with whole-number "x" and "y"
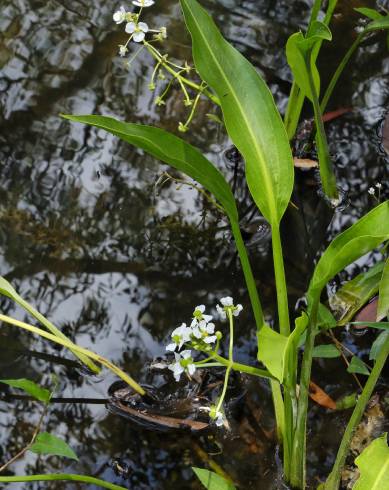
{"x": 329, "y": 116}
{"x": 305, "y": 163}
{"x": 320, "y": 396}
{"x": 367, "y": 314}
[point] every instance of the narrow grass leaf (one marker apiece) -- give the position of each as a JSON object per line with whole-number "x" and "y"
{"x": 383, "y": 297}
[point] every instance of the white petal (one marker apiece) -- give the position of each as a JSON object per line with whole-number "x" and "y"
{"x": 219, "y": 419}
{"x": 143, "y": 26}
{"x": 191, "y": 369}
{"x": 207, "y": 318}
{"x": 196, "y": 333}
{"x": 210, "y": 339}
{"x": 210, "y": 328}
{"x": 130, "y": 27}
{"x": 227, "y": 301}
{"x": 186, "y": 353}
{"x": 138, "y": 37}
{"x": 171, "y": 347}
{"x": 239, "y": 308}
{"x": 194, "y": 323}
{"x": 200, "y": 308}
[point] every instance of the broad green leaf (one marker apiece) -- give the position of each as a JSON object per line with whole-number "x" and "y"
{"x": 373, "y": 464}
{"x": 170, "y": 149}
{"x": 250, "y": 114}
{"x": 29, "y": 387}
{"x": 300, "y": 56}
{"x": 272, "y": 347}
{"x": 212, "y": 481}
{"x": 8, "y": 290}
{"x": 327, "y": 351}
{"x": 46, "y": 443}
{"x": 325, "y": 319}
{"x": 354, "y": 294}
{"x": 377, "y": 344}
{"x": 358, "y": 366}
{"x": 370, "y": 13}
{"x": 362, "y": 237}
{"x": 383, "y": 298}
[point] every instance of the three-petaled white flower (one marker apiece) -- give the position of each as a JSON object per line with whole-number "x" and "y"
{"x": 179, "y": 336}
{"x": 216, "y": 415}
{"x": 120, "y": 15}
{"x": 228, "y": 304}
{"x": 143, "y": 3}
{"x": 371, "y": 191}
{"x": 138, "y": 30}
{"x": 198, "y": 316}
{"x": 203, "y": 330}
{"x": 184, "y": 363}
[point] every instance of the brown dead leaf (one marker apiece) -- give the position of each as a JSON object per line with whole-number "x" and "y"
{"x": 305, "y": 163}
{"x": 329, "y": 116}
{"x": 320, "y": 397}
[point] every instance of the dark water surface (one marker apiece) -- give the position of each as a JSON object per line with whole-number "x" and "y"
{"x": 91, "y": 238}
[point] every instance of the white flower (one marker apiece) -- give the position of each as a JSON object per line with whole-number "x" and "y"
{"x": 203, "y": 330}
{"x": 184, "y": 363}
{"x": 228, "y": 305}
{"x": 122, "y": 50}
{"x": 163, "y": 32}
{"x": 227, "y": 301}
{"x": 198, "y": 316}
{"x": 371, "y": 191}
{"x": 238, "y": 309}
{"x": 179, "y": 336}
{"x": 378, "y": 185}
{"x": 216, "y": 415}
{"x": 120, "y": 15}
{"x": 143, "y": 3}
{"x": 138, "y": 31}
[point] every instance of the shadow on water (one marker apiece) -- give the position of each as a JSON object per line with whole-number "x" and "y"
{"x": 91, "y": 238}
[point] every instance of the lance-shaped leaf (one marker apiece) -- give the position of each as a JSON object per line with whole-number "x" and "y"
{"x": 362, "y": 237}
{"x": 301, "y": 59}
{"x": 373, "y": 464}
{"x": 250, "y": 114}
{"x": 383, "y": 298}
{"x": 46, "y": 443}
{"x": 171, "y": 150}
{"x": 370, "y": 13}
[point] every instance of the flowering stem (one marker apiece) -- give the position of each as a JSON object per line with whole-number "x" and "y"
{"x": 179, "y": 77}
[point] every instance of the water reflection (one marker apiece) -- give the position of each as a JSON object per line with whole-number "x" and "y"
{"x": 91, "y": 238}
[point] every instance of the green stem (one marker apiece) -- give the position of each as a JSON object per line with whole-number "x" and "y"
{"x": 248, "y": 273}
{"x": 230, "y": 360}
{"x": 333, "y": 481}
{"x": 298, "y": 459}
{"x": 327, "y": 175}
{"x": 279, "y": 272}
{"x": 66, "y": 343}
{"x": 61, "y": 477}
{"x": 339, "y": 71}
{"x": 243, "y": 368}
{"x": 284, "y": 325}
